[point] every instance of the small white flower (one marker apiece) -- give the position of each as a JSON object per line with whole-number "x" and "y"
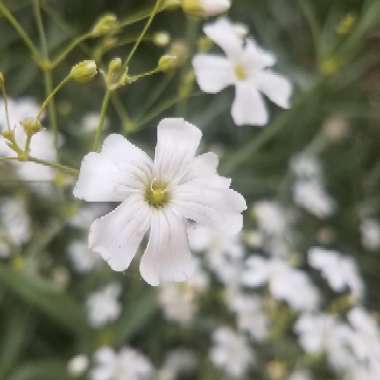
{"x": 42, "y": 144}
{"x": 285, "y": 283}
{"x": 206, "y": 8}
{"x": 177, "y": 362}
{"x": 103, "y": 305}
{"x": 370, "y": 230}
{"x": 270, "y": 217}
{"x": 82, "y": 258}
{"x": 128, "y": 364}
{"x": 339, "y": 271}
{"x": 311, "y": 196}
{"x": 159, "y": 196}
{"x": 77, "y": 365}
{"x": 246, "y": 66}
{"x": 91, "y": 121}
{"x": 231, "y": 352}
{"x": 306, "y": 166}
{"x": 300, "y": 375}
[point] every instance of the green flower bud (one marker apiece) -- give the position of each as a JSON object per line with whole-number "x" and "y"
{"x": 31, "y": 126}
{"x": 106, "y": 25}
{"x": 161, "y": 39}
{"x": 8, "y": 135}
{"x": 84, "y": 71}
{"x": 167, "y": 62}
{"x": 2, "y": 79}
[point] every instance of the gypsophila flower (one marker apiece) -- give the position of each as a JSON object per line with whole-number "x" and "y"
{"x": 231, "y": 352}
{"x": 127, "y": 364}
{"x": 159, "y": 196}
{"x": 340, "y": 272}
{"x": 82, "y": 258}
{"x": 205, "y": 8}
{"x": 300, "y": 375}
{"x": 177, "y": 362}
{"x": 247, "y": 67}
{"x": 103, "y": 305}
{"x": 370, "y": 230}
{"x": 285, "y": 282}
{"x": 90, "y": 122}
{"x": 77, "y": 365}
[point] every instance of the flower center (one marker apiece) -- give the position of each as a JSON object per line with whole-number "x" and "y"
{"x": 156, "y": 194}
{"x": 240, "y": 72}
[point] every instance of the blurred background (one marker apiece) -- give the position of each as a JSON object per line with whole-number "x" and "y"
{"x": 308, "y": 307}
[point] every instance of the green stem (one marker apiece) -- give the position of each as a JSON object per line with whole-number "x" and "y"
{"x": 40, "y": 27}
{"x": 21, "y": 32}
{"x": 55, "y": 165}
{"x": 5, "y": 97}
{"x": 102, "y": 119}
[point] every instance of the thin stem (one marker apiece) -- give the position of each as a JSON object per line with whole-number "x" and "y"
{"x": 102, "y": 119}
{"x": 55, "y": 165}
{"x": 21, "y": 32}
{"x": 143, "y": 32}
{"x": 5, "y": 97}
{"x": 40, "y": 27}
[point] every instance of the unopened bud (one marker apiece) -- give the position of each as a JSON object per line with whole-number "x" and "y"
{"x": 31, "y": 126}
{"x": 179, "y": 50}
{"x": 346, "y": 25}
{"x": 167, "y": 62}
{"x": 2, "y": 79}
{"x": 8, "y": 135}
{"x": 106, "y": 25}
{"x": 114, "y": 65}
{"x": 205, "y": 8}
{"x": 84, "y": 71}
{"x": 161, "y": 39}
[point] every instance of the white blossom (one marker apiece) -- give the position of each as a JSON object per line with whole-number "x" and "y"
{"x": 206, "y": 8}
{"x": 306, "y": 166}
{"x": 159, "y": 196}
{"x": 82, "y": 258}
{"x": 127, "y": 364}
{"x": 370, "y": 230}
{"x": 231, "y": 352}
{"x": 300, "y": 374}
{"x": 285, "y": 282}
{"x": 77, "y": 365}
{"x": 247, "y": 67}
{"x": 177, "y": 362}
{"x": 103, "y": 305}
{"x": 339, "y": 271}
{"x": 270, "y": 217}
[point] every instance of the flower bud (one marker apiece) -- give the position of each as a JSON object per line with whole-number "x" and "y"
{"x": 161, "y": 39}
{"x": 8, "y": 135}
{"x": 84, "y": 71}
{"x": 205, "y": 8}
{"x": 106, "y": 25}
{"x": 2, "y": 79}
{"x": 31, "y": 126}
{"x": 167, "y": 62}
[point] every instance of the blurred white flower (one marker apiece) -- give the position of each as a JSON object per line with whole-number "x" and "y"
{"x": 90, "y": 122}
{"x": 370, "y": 230}
{"x": 246, "y": 66}
{"x": 206, "y": 8}
{"x": 160, "y": 196}
{"x": 41, "y": 146}
{"x": 85, "y": 215}
{"x": 15, "y": 225}
{"x": 285, "y": 282}
{"x": 339, "y": 271}
{"x": 77, "y": 365}
{"x": 251, "y": 317}
{"x": 231, "y": 352}
{"x": 270, "y": 217}
{"x": 127, "y": 364}
{"x": 310, "y": 195}
{"x": 300, "y": 374}
{"x": 306, "y": 166}
{"x": 177, "y": 362}
{"x": 179, "y": 302}
{"x": 224, "y": 253}
{"x": 103, "y": 305}
{"x": 82, "y": 258}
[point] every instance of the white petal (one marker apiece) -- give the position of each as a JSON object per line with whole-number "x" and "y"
{"x": 256, "y": 57}
{"x": 110, "y": 175}
{"x": 213, "y": 73}
{"x": 117, "y": 235}
{"x": 257, "y": 272}
{"x": 167, "y": 256}
{"x": 177, "y": 142}
{"x": 248, "y": 107}
{"x": 210, "y": 204}
{"x": 225, "y": 35}
{"x": 276, "y": 87}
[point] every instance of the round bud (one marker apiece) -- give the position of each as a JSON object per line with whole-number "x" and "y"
{"x": 106, "y": 25}
{"x": 31, "y": 126}
{"x": 2, "y": 79}
{"x": 161, "y": 39}
{"x": 84, "y": 71}
{"x": 167, "y": 62}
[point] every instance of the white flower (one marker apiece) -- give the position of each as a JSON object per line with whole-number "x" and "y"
{"x": 370, "y": 230}
{"x": 42, "y": 144}
{"x": 306, "y": 166}
{"x": 160, "y": 196}
{"x": 103, "y": 305}
{"x": 300, "y": 375}
{"x": 128, "y": 364}
{"x": 179, "y": 302}
{"x": 339, "y": 271}
{"x": 311, "y": 196}
{"x": 250, "y": 313}
{"x": 231, "y": 352}
{"x": 270, "y": 217}
{"x": 246, "y": 66}
{"x": 206, "y": 8}
{"x": 84, "y": 216}
{"x": 285, "y": 283}
{"x": 177, "y": 362}
{"x": 82, "y": 258}
{"x": 77, "y": 365}
{"x": 91, "y": 121}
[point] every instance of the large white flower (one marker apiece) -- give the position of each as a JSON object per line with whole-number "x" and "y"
{"x": 246, "y": 66}
{"x": 160, "y": 196}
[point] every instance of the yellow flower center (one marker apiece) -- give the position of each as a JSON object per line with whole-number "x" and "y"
{"x": 240, "y": 72}
{"x": 157, "y": 194}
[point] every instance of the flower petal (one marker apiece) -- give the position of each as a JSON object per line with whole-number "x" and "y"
{"x": 210, "y": 203}
{"x": 256, "y": 57}
{"x": 213, "y": 73}
{"x": 225, "y": 35}
{"x": 276, "y": 87}
{"x": 177, "y": 142}
{"x": 167, "y": 256}
{"x": 248, "y": 107}
{"x": 117, "y": 235}
{"x": 110, "y": 175}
